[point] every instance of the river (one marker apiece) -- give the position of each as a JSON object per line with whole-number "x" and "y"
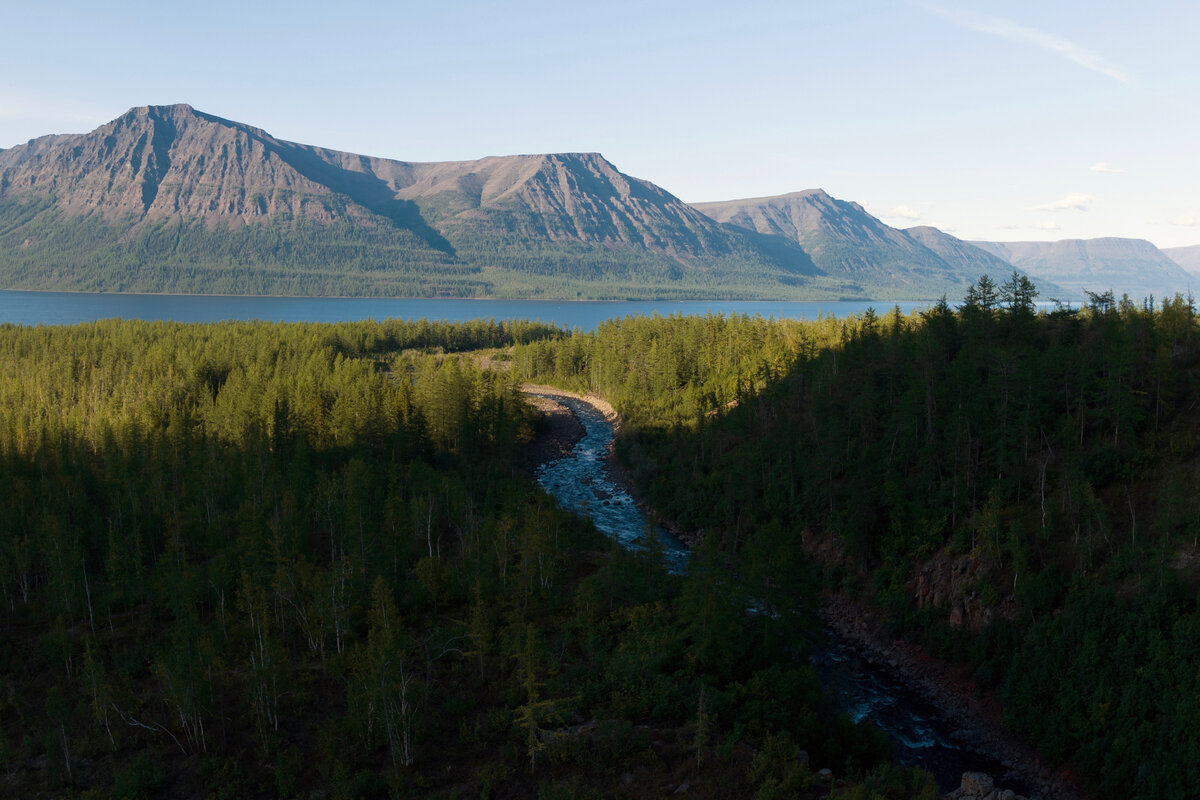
{"x": 861, "y": 687}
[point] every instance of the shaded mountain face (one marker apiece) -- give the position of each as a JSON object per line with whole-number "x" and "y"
{"x": 1186, "y": 257}
{"x": 166, "y": 198}
{"x": 963, "y": 256}
{"x": 844, "y": 240}
{"x": 1126, "y": 266}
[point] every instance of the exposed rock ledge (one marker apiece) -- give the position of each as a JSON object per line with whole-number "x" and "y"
{"x": 977, "y": 786}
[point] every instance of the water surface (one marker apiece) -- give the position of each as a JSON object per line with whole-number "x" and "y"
{"x": 68, "y": 308}
{"x": 581, "y": 482}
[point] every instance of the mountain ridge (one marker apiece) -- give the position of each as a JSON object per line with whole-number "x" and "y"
{"x": 171, "y": 180}
{"x": 843, "y": 237}
{"x": 1127, "y": 266}
{"x": 172, "y": 199}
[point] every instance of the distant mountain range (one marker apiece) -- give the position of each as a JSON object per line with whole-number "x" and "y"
{"x": 1186, "y": 257}
{"x": 843, "y": 239}
{"x": 170, "y": 199}
{"x": 1128, "y": 266}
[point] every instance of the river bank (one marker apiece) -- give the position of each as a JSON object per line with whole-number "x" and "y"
{"x": 564, "y": 431}
{"x": 977, "y": 719}
{"x": 561, "y": 431}
{"x": 974, "y": 724}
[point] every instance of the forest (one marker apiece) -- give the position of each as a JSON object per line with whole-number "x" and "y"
{"x": 300, "y": 560}
{"x": 284, "y": 560}
{"x": 43, "y": 248}
{"x": 1014, "y": 488}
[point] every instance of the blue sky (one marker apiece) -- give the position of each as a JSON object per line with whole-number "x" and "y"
{"x": 992, "y": 120}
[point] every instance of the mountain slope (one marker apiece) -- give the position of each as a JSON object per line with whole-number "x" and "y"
{"x": 844, "y": 240}
{"x": 166, "y": 198}
{"x": 1127, "y": 266}
{"x": 964, "y": 257}
{"x": 1186, "y": 257}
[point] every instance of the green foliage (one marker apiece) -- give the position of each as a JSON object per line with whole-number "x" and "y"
{"x": 265, "y": 559}
{"x": 1056, "y": 450}
{"x": 359, "y": 255}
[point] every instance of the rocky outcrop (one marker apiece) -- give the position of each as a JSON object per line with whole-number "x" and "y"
{"x": 977, "y": 786}
{"x": 956, "y": 584}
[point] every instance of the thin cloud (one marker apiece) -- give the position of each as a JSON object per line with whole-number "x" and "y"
{"x": 1100, "y": 166}
{"x": 900, "y": 212}
{"x": 1185, "y": 222}
{"x": 1047, "y": 226}
{"x": 1020, "y": 34}
{"x": 1072, "y": 202}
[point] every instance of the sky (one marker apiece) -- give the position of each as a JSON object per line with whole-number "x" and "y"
{"x": 1005, "y": 121}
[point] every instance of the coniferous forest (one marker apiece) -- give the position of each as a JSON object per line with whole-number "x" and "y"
{"x": 1048, "y": 461}
{"x": 309, "y": 560}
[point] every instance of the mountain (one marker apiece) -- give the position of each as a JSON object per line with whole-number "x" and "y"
{"x": 1186, "y": 257}
{"x": 167, "y": 198}
{"x": 845, "y": 241}
{"x": 966, "y": 258}
{"x": 1126, "y": 266}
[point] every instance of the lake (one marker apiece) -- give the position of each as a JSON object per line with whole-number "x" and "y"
{"x": 69, "y": 308}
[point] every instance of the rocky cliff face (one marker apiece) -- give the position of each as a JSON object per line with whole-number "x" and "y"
{"x": 578, "y": 197}
{"x": 175, "y": 163}
{"x": 159, "y": 162}
{"x": 953, "y": 585}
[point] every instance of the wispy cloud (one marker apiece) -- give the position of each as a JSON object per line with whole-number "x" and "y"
{"x": 900, "y": 212}
{"x": 1047, "y": 226}
{"x": 1100, "y": 166}
{"x": 1021, "y": 34}
{"x": 1185, "y": 222}
{"x": 1072, "y": 202}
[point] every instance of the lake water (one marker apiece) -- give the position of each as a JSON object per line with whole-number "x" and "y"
{"x": 69, "y": 308}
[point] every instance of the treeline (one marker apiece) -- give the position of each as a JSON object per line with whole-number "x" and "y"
{"x": 669, "y": 371}
{"x": 370, "y": 256}
{"x": 1043, "y": 463}
{"x": 266, "y": 560}
{"x": 344, "y": 257}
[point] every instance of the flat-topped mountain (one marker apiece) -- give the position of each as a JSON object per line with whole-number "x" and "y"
{"x": 1186, "y": 257}
{"x": 843, "y": 239}
{"x": 167, "y": 198}
{"x": 1127, "y": 266}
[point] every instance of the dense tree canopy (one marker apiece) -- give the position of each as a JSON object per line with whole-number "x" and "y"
{"x": 1049, "y": 456}
{"x": 263, "y": 560}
